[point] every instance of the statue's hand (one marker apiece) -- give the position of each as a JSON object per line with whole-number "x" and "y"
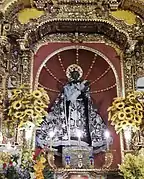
{"x": 87, "y": 83}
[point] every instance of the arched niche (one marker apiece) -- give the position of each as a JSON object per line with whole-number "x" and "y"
{"x": 48, "y": 71}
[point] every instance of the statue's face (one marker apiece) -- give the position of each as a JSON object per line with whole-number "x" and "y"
{"x": 75, "y": 75}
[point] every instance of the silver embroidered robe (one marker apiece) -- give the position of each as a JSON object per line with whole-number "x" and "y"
{"x": 73, "y": 110}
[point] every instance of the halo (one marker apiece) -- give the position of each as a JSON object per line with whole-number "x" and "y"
{"x": 74, "y": 67}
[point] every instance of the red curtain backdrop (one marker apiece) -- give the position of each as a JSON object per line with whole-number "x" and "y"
{"x": 102, "y": 100}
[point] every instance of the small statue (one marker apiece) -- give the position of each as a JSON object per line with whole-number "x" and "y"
{"x": 74, "y": 111}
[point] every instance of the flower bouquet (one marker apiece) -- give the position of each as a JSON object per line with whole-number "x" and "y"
{"x": 31, "y": 165}
{"x": 12, "y": 170}
{"x": 41, "y": 169}
{"x": 28, "y": 106}
{"x": 127, "y": 111}
{"x": 132, "y": 166}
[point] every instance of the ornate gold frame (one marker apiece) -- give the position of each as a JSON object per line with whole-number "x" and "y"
{"x": 90, "y": 18}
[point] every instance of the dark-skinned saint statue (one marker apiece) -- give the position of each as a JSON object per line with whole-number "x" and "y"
{"x": 74, "y": 111}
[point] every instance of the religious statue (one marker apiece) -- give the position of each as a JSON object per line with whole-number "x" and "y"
{"x": 73, "y": 116}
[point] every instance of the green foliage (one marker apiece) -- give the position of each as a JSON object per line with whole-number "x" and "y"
{"x": 12, "y": 173}
{"x": 133, "y": 166}
{"x": 48, "y": 174}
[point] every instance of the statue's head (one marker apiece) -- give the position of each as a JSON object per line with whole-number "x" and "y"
{"x": 74, "y": 75}
{"x": 74, "y": 72}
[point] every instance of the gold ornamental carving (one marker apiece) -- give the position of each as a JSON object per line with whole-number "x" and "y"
{"x": 81, "y": 21}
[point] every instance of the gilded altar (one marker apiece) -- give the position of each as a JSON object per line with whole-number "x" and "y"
{"x": 39, "y": 40}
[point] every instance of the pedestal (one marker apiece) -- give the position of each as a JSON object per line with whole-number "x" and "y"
{"x": 79, "y": 174}
{"x": 77, "y": 157}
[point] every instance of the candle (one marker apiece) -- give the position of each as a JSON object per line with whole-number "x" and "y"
{"x": 107, "y": 136}
{"x": 79, "y": 134}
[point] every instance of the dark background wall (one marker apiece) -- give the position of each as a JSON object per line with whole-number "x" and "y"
{"x": 101, "y": 100}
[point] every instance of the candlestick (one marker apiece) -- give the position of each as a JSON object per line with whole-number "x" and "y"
{"x": 107, "y": 144}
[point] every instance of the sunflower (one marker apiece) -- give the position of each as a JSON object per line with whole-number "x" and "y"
{"x": 17, "y": 104}
{"x": 38, "y": 121}
{"x": 10, "y": 112}
{"x": 135, "y": 112}
{"x": 129, "y": 117}
{"x": 18, "y": 114}
{"x": 24, "y": 86}
{"x": 46, "y": 97}
{"x": 39, "y": 102}
{"x": 139, "y": 93}
{"x": 121, "y": 115}
{"x": 44, "y": 113}
{"x": 29, "y": 106}
{"x": 109, "y": 115}
{"x": 131, "y": 95}
{"x": 37, "y": 94}
{"x": 29, "y": 112}
{"x": 117, "y": 100}
{"x": 25, "y": 101}
{"x": 120, "y": 105}
{"x": 139, "y": 106}
{"x": 16, "y": 91}
{"x": 41, "y": 89}
{"x": 131, "y": 122}
{"x": 23, "y": 115}
{"x": 132, "y": 100}
{"x": 137, "y": 120}
{"x": 28, "y": 96}
{"x": 128, "y": 110}
{"x": 38, "y": 109}
{"x": 140, "y": 115}
{"x": 112, "y": 123}
{"x": 13, "y": 97}
{"x": 122, "y": 125}
{"x": 36, "y": 115}
{"x": 114, "y": 117}
{"x": 111, "y": 108}
{"x": 117, "y": 125}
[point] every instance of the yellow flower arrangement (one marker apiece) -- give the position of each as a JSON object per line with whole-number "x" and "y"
{"x": 28, "y": 106}
{"x": 39, "y": 167}
{"x": 127, "y": 112}
{"x": 133, "y": 166}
